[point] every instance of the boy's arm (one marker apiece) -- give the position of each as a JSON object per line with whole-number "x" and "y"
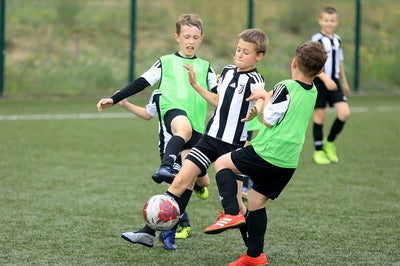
{"x": 137, "y": 110}
{"x": 210, "y": 97}
{"x": 329, "y": 83}
{"x": 262, "y": 98}
{"x": 131, "y": 89}
{"x": 343, "y": 79}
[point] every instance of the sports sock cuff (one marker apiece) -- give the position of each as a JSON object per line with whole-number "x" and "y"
{"x": 197, "y": 187}
{"x": 172, "y": 150}
{"x": 183, "y": 200}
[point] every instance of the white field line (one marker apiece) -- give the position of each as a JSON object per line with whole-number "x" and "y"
{"x": 129, "y": 115}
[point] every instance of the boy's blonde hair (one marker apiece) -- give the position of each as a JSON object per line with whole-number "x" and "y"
{"x": 257, "y": 37}
{"x": 189, "y": 20}
{"x": 311, "y": 57}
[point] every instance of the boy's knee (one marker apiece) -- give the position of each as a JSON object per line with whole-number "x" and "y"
{"x": 203, "y": 181}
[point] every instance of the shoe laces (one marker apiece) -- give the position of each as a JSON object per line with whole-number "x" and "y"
{"x": 221, "y": 216}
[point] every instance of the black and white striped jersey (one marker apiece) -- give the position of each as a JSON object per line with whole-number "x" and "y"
{"x": 335, "y": 53}
{"x": 153, "y": 109}
{"x": 233, "y": 89}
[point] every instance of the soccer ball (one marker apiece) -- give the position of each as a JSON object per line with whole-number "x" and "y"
{"x": 161, "y": 212}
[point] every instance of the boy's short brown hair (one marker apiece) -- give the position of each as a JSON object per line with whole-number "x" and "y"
{"x": 311, "y": 57}
{"x": 189, "y": 20}
{"x": 328, "y": 10}
{"x": 257, "y": 37}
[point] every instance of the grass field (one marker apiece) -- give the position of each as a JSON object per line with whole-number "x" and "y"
{"x": 71, "y": 184}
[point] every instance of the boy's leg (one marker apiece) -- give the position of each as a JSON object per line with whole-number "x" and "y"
{"x": 179, "y": 126}
{"x": 200, "y": 187}
{"x": 319, "y": 119}
{"x": 228, "y": 191}
{"x": 181, "y": 187}
{"x": 343, "y": 112}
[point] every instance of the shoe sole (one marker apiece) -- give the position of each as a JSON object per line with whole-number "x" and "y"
{"x": 141, "y": 243}
{"x": 221, "y": 229}
{"x": 160, "y": 178}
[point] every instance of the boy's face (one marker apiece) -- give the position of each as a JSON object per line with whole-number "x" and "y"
{"x": 189, "y": 40}
{"x": 246, "y": 56}
{"x": 328, "y": 23}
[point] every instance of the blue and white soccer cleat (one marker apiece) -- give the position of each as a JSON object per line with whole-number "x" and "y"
{"x": 164, "y": 174}
{"x": 168, "y": 239}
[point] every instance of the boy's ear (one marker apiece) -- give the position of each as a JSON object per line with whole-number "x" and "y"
{"x": 294, "y": 62}
{"x": 176, "y": 36}
{"x": 259, "y": 56}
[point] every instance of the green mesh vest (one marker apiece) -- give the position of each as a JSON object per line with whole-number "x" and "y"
{"x": 177, "y": 93}
{"x": 281, "y": 144}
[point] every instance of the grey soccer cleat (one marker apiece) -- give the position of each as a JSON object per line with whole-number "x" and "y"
{"x": 142, "y": 238}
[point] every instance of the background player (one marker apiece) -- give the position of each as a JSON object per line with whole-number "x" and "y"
{"x": 330, "y": 89}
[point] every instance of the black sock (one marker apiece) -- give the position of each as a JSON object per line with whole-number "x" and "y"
{"x": 148, "y": 230}
{"x": 183, "y": 200}
{"x": 243, "y": 229}
{"x": 184, "y": 220}
{"x": 256, "y": 225}
{"x": 197, "y": 187}
{"x": 227, "y": 187}
{"x": 318, "y": 135}
{"x": 336, "y": 128}
{"x": 172, "y": 150}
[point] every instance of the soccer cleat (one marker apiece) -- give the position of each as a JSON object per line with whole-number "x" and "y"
{"x": 142, "y": 238}
{"x": 164, "y": 174}
{"x": 320, "y": 158}
{"x": 183, "y": 232}
{"x": 176, "y": 168}
{"x": 330, "y": 151}
{"x": 245, "y": 260}
{"x": 168, "y": 239}
{"x": 202, "y": 193}
{"x": 224, "y": 222}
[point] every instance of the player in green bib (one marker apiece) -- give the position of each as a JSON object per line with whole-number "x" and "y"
{"x": 273, "y": 155}
{"x": 182, "y": 109}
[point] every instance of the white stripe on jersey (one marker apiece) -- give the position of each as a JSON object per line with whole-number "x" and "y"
{"x": 234, "y": 88}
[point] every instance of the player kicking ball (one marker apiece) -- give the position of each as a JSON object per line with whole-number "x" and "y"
{"x": 273, "y": 155}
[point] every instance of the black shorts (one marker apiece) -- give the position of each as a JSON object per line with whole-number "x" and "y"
{"x": 207, "y": 151}
{"x": 268, "y": 179}
{"x": 326, "y": 96}
{"x": 169, "y": 116}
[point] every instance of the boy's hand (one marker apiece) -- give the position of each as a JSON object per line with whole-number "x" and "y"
{"x": 104, "y": 103}
{"x": 257, "y": 94}
{"x": 192, "y": 75}
{"x": 346, "y": 89}
{"x": 330, "y": 85}
{"x": 251, "y": 114}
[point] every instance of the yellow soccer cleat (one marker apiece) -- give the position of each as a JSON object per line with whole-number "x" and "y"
{"x": 330, "y": 151}
{"x": 321, "y": 158}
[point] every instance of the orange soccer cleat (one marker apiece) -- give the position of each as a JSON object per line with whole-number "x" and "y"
{"x": 245, "y": 260}
{"x": 224, "y": 222}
